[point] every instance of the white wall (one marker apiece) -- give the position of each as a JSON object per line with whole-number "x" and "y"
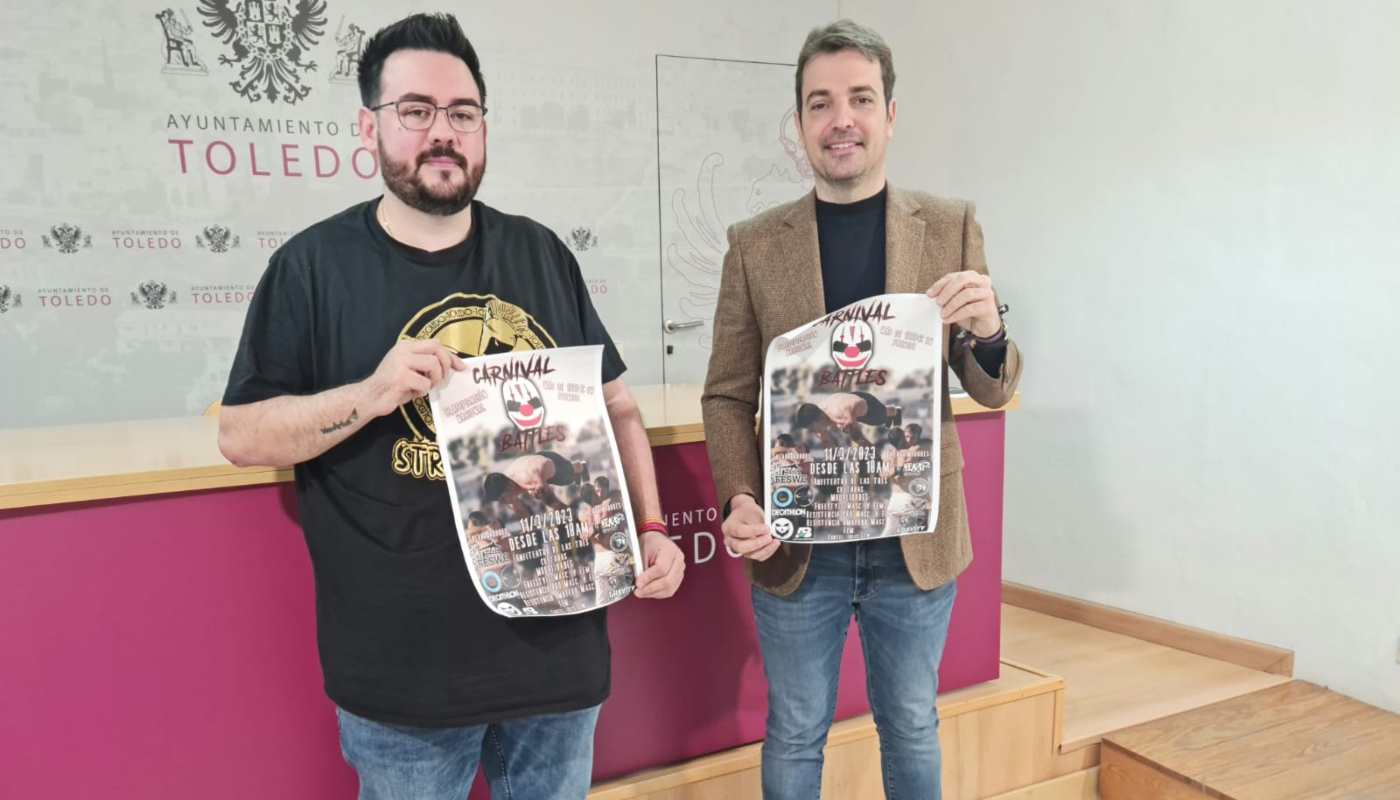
{"x": 1192, "y": 209}
{"x": 90, "y": 129}
{"x": 602, "y": 173}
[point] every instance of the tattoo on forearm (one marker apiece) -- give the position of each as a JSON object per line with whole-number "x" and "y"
{"x": 345, "y": 423}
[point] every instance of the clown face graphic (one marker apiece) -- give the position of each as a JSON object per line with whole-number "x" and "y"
{"x": 852, "y": 344}
{"x": 524, "y": 403}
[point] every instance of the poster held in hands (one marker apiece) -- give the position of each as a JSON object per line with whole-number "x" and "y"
{"x": 542, "y": 511}
{"x": 851, "y": 423}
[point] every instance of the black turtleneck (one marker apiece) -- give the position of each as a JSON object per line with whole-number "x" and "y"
{"x": 852, "y": 241}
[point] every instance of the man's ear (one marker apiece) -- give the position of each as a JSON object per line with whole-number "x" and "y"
{"x": 369, "y": 130}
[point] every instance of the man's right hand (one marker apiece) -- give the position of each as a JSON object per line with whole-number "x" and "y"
{"x": 746, "y": 532}
{"x": 407, "y": 372}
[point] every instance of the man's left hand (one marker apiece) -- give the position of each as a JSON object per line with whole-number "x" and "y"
{"x": 665, "y": 566}
{"x": 966, "y": 299}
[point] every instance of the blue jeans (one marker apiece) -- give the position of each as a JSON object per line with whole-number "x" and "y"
{"x": 536, "y": 758}
{"x": 902, "y": 631}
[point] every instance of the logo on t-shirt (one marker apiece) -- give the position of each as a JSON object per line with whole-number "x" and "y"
{"x": 470, "y": 325}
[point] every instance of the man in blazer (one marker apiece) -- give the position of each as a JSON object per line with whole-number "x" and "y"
{"x": 852, "y": 238}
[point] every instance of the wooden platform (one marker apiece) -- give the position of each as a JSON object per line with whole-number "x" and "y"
{"x": 1115, "y": 681}
{"x": 1284, "y": 743}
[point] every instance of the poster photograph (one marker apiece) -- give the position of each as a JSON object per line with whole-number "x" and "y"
{"x": 851, "y": 423}
{"x": 542, "y": 510}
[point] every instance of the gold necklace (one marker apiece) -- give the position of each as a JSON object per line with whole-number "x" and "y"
{"x": 384, "y": 220}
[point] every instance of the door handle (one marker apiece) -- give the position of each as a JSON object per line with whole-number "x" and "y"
{"x": 672, "y": 327}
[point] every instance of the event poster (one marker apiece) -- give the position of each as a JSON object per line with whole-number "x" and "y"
{"x": 542, "y": 511}
{"x": 851, "y": 422}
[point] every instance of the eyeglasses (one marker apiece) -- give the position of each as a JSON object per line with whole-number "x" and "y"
{"x": 416, "y": 115}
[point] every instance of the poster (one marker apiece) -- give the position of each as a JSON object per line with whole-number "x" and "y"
{"x": 851, "y": 423}
{"x": 542, "y": 511}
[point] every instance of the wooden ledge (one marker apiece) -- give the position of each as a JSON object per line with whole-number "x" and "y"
{"x": 80, "y": 463}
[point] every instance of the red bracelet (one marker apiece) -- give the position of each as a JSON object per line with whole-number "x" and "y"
{"x": 652, "y": 525}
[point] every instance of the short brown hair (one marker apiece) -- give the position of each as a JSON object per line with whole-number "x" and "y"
{"x": 844, "y": 34}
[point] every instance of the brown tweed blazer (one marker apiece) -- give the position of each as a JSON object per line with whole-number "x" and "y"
{"x": 772, "y": 283}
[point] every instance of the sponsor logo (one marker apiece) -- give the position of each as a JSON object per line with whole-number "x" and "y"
{"x": 783, "y": 528}
{"x": 491, "y": 582}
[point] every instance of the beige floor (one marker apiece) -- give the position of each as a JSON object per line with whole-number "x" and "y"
{"x": 1114, "y": 681}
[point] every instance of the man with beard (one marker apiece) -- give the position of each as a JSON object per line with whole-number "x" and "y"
{"x": 355, "y": 319}
{"x": 853, "y": 237}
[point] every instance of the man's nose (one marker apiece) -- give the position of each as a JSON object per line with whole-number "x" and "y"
{"x": 441, "y": 130}
{"x": 844, "y": 116}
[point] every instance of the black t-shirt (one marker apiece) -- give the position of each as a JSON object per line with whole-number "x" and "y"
{"x": 403, "y": 636}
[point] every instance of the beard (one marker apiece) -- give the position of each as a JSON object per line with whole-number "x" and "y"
{"x": 444, "y": 199}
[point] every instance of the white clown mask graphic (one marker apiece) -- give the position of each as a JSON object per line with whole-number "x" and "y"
{"x": 852, "y": 344}
{"x": 524, "y": 403}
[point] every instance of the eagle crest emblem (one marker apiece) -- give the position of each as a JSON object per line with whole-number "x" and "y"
{"x": 152, "y": 295}
{"x": 582, "y": 239}
{"x": 268, "y": 39}
{"x": 217, "y": 239}
{"x": 66, "y": 238}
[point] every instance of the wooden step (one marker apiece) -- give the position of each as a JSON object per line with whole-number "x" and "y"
{"x": 1291, "y": 741}
{"x": 1082, "y": 785}
{"x": 1114, "y": 680}
{"x": 995, "y": 736}
{"x": 1245, "y": 653}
